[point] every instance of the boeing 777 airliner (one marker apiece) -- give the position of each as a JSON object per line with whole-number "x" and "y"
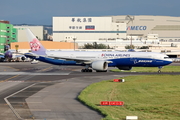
{"x": 98, "y": 61}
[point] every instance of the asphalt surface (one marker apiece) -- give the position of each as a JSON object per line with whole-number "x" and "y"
{"x": 48, "y": 92}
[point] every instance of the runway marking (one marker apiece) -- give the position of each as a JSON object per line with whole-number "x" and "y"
{"x": 15, "y": 81}
{"x": 9, "y": 78}
{"x": 15, "y": 112}
{"x": 27, "y": 102}
{"x": 30, "y": 73}
{"x": 45, "y": 69}
{"x": 13, "y": 68}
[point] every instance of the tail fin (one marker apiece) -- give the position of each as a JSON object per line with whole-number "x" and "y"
{"x": 35, "y": 45}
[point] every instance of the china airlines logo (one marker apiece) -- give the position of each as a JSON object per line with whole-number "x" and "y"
{"x": 35, "y": 45}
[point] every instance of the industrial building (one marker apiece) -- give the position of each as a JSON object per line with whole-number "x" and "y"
{"x": 87, "y": 29}
{"x": 8, "y": 34}
{"x": 37, "y": 30}
{"x": 167, "y": 27}
{"x": 115, "y": 27}
{"x": 24, "y": 47}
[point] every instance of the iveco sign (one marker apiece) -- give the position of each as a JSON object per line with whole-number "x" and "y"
{"x": 136, "y": 27}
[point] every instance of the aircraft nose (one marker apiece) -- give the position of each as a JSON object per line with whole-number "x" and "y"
{"x": 169, "y": 61}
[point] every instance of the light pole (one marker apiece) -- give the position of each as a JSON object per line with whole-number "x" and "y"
{"x": 74, "y": 42}
{"x": 130, "y": 19}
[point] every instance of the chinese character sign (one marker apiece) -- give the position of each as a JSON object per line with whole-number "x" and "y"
{"x": 84, "y": 20}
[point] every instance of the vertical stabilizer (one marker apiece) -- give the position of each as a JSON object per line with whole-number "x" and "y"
{"x": 35, "y": 45}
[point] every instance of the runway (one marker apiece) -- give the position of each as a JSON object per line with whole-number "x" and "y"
{"x": 47, "y": 92}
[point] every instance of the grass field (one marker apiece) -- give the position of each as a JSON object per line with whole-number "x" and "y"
{"x": 150, "y": 97}
{"x": 151, "y": 69}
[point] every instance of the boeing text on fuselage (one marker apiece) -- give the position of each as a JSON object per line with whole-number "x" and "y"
{"x": 142, "y": 61}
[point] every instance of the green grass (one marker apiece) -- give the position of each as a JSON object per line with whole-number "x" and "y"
{"x": 150, "y": 69}
{"x": 151, "y": 97}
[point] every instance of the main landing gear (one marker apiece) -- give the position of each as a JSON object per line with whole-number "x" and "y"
{"x": 160, "y": 67}
{"x": 86, "y": 70}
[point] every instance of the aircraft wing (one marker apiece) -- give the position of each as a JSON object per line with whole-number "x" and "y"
{"x": 78, "y": 60}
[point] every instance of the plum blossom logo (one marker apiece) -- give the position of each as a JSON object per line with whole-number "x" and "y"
{"x": 35, "y": 45}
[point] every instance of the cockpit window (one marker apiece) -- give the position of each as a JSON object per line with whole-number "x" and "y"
{"x": 166, "y": 57}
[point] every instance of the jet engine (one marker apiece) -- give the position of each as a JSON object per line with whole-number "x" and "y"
{"x": 100, "y": 65}
{"x": 124, "y": 67}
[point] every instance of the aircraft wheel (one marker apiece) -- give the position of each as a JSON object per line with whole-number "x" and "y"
{"x": 159, "y": 71}
{"x": 86, "y": 70}
{"x": 83, "y": 70}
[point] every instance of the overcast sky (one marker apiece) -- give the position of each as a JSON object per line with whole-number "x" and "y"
{"x": 41, "y": 11}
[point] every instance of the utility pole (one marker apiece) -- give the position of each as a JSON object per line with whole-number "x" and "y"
{"x": 74, "y": 42}
{"x": 130, "y": 19}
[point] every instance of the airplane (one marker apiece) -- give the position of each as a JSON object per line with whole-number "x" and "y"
{"x": 10, "y": 55}
{"x": 7, "y": 56}
{"x": 98, "y": 61}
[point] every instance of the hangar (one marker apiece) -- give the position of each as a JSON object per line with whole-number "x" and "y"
{"x": 167, "y": 27}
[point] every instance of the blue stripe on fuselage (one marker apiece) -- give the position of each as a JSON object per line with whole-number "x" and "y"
{"x": 138, "y": 62}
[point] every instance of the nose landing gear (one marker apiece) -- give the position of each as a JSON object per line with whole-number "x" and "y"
{"x": 160, "y": 67}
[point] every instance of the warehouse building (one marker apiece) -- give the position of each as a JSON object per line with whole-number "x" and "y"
{"x": 167, "y": 27}
{"x": 87, "y": 29}
{"x": 37, "y": 30}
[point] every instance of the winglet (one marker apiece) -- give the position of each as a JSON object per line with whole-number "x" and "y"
{"x": 35, "y": 45}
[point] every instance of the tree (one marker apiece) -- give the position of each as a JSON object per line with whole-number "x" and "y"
{"x": 88, "y": 46}
{"x": 94, "y": 45}
{"x": 129, "y": 47}
{"x": 143, "y": 47}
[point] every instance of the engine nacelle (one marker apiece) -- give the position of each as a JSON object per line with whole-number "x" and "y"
{"x": 99, "y": 65}
{"x": 124, "y": 67}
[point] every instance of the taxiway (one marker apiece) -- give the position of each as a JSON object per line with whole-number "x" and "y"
{"x": 47, "y": 92}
